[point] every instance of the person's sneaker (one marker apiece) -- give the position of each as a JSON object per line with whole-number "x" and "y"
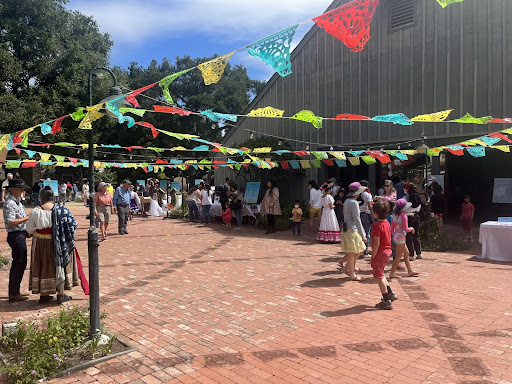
{"x": 412, "y": 258}
{"x": 125, "y": 232}
{"x": 392, "y": 296}
{"x": 419, "y": 257}
{"x": 384, "y": 304}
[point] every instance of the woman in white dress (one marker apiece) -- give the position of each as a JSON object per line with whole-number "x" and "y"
{"x": 329, "y": 231}
{"x": 216, "y": 207}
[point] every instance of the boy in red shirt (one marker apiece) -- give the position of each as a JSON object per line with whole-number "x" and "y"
{"x": 381, "y": 252}
{"x": 466, "y": 218}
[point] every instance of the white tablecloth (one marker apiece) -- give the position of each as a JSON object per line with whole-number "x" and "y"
{"x": 496, "y": 240}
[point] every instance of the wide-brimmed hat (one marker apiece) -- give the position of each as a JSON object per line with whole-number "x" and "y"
{"x": 402, "y": 205}
{"x": 17, "y": 183}
{"x": 355, "y": 189}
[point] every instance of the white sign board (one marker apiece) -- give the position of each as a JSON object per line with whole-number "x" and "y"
{"x": 502, "y": 191}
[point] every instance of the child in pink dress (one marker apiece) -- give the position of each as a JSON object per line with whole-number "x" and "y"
{"x": 227, "y": 216}
{"x": 399, "y": 229}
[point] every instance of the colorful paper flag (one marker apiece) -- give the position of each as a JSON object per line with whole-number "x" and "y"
{"x": 468, "y": 119}
{"x": 212, "y": 70}
{"x": 131, "y": 97}
{"x": 308, "y": 117}
{"x": 395, "y": 118}
{"x": 445, "y": 3}
{"x": 433, "y": 117}
{"x": 266, "y": 112}
{"x": 350, "y": 23}
{"x": 166, "y": 81}
{"x": 275, "y": 50}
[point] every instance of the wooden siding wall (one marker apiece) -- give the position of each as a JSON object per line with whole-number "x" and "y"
{"x": 452, "y": 58}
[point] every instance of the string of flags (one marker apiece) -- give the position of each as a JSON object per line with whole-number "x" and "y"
{"x": 476, "y": 147}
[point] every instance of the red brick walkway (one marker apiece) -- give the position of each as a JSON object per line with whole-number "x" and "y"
{"x": 204, "y": 305}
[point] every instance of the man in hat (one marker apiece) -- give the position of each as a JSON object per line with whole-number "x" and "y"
{"x": 4, "y": 185}
{"x": 121, "y": 202}
{"x": 15, "y": 219}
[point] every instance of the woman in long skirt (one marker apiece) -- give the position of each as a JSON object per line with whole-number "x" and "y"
{"x": 329, "y": 231}
{"x": 47, "y": 274}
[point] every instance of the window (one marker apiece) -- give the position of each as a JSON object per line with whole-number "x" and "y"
{"x": 401, "y": 14}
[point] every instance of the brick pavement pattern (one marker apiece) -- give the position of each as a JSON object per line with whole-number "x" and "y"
{"x": 205, "y": 305}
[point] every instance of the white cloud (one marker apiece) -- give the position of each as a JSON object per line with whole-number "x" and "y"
{"x": 227, "y": 21}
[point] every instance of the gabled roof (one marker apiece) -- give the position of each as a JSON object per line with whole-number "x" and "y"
{"x": 276, "y": 76}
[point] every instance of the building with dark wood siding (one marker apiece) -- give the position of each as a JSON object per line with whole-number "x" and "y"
{"x": 420, "y": 59}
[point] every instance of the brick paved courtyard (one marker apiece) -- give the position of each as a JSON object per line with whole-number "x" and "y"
{"x": 204, "y": 305}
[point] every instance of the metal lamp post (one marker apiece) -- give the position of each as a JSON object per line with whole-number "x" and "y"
{"x": 92, "y": 234}
{"x": 423, "y": 149}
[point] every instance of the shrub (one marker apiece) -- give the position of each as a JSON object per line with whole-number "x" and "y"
{"x": 432, "y": 242}
{"x": 35, "y": 352}
{"x": 4, "y": 260}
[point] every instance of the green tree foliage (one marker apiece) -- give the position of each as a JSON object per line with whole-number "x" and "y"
{"x": 46, "y": 52}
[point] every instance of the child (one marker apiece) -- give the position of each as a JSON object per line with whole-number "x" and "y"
{"x": 339, "y": 199}
{"x": 381, "y": 251}
{"x": 296, "y": 217}
{"x": 354, "y": 237}
{"x": 227, "y": 216}
{"x": 399, "y": 228}
{"x": 466, "y": 218}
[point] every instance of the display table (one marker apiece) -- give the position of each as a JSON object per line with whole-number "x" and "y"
{"x": 496, "y": 242}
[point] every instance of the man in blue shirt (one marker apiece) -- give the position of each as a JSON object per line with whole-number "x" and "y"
{"x": 400, "y": 192}
{"x": 121, "y": 202}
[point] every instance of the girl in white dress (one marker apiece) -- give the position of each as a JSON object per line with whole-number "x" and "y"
{"x": 329, "y": 231}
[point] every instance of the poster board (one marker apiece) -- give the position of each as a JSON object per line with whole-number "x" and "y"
{"x": 252, "y": 191}
{"x": 142, "y": 182}
{"x": 163, "y": 185}
{"x": 54, "y": 185}
{"x": 176, "y": 185}
{"x": 438, "y": 178}
{"x": 502, "y": 192}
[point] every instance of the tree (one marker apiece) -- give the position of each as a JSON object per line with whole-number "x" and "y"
{"x": 47, "y": 52}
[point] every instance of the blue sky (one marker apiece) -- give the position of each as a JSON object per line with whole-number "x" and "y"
{"x": 143, "y": 30}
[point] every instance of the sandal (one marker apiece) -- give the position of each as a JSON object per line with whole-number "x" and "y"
{"x": 414, "y": 274}
{"x": 395, "y": 277}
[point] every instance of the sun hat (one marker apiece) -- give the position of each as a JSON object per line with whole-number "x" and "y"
{"x": 16, "y": 183}
{"x": 401, "y": 205}
{"x": 355, "y": 189}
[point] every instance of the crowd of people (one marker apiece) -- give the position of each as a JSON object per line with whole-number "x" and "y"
{"x": 378, "y": 226}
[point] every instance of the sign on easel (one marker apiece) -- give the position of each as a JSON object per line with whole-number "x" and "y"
{"x": 252, "y": 191}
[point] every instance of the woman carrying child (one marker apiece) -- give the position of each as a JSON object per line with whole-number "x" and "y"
{"x": 354, "y": 237}
{"x": 329, "y": 231}
{"x": 399, "y": 228}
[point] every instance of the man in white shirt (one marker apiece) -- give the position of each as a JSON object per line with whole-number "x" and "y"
{"x": 315, "y": 203}
{"x": 62, "y": 192}
{"x": 366, "y": 212}
{"x": 5, "y": 192}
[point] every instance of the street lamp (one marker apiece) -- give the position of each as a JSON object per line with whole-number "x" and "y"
{"x": 423, "y": 150}
{"x": 92, "y": 234}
